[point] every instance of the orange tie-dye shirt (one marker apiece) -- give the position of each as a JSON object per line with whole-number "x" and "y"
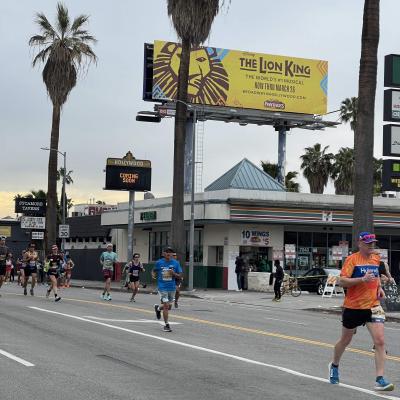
{"x": 365, "y": 294}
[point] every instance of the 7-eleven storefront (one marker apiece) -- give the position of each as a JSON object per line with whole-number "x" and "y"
{"x": 256, "y": 225}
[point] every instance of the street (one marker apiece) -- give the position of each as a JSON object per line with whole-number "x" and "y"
{"x": 84, "y": 348}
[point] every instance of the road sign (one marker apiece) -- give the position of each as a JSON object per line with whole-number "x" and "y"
{"x": 391, "y": 175}
{"x": 37, "y": 235}
{"x": 33, "y": 222}
{"x": 63, "y": 231}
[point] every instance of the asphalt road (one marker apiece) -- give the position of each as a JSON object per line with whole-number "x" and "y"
{"x": 84, "y": 348}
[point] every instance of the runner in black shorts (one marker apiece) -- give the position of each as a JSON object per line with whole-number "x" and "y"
{"x": 3, "y": 256}
{"x": 55, "y": 260}
{"x": 30, "y": 258}
{"x": 178, "y": 283}
{"x": 135, "y": 267}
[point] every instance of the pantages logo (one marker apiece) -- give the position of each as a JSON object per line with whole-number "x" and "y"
{"x": 287, "y": 68}
{"x": 275, "y": 104}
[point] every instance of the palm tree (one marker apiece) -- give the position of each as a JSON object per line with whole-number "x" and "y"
{"x": 68, "y": 181}
{"x": 63, "y": 49}
{"x": 364, "y": 133}
{"x": 348, "y": 112}
{"x": 378, "y": 168}
{"x": 317, "y": 167}
{"x": 272, "y": 170}
{"x": 343, "y": 171}
{"x": 192, "y": 20}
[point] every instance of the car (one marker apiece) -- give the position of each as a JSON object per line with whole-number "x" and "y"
{"x": 314, "y": 280}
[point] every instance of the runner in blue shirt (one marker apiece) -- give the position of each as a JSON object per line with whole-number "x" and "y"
{"x": 166, "y": 271}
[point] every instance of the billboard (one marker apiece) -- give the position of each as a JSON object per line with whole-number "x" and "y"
{"x": 392, "y": 70}
{"x": 391, "y": 140}
{"x": 132, "y": 175}
{"x": 391, "y": 175}
{"x": 222, "y": 77}
{"x": 391, "y": 105}
{"x": 28, "y": 206}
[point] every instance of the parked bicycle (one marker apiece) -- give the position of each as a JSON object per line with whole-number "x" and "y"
{"x": 290, "y": 285}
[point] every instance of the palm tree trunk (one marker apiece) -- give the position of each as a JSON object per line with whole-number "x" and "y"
{"x": 51, "y": 213}
{"x": 364, "y": 133}
{"x": 178, "y": 236}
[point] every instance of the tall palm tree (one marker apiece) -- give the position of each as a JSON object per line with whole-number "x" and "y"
{"x": 192, "y": 20}
{"x": 364, "y": 133}
{"x": 343, "y": 171}
{"x": 317, "y": 167}
{"x": 272, "y": 170}
{"x": 63, "y": 49}
{"x": 348, "y": 112}
{"x": 68, "y": 181}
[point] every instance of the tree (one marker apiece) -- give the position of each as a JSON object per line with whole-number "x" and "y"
{"x": 64, "y": 50}
{"x": 378, "y": 168}
{"x": 348, "y": 112}
{"x": 192, "y": 20}
{"x": 100, "y": 202}
{"x": 364, "y": 133}
{"x": 272, "y": 170}
{"x": 317, "y": 167}
{"x": 343, "y": 171}
{"x": 68, "y": 181}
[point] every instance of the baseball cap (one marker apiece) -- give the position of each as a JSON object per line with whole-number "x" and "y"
{"x": 109, "y": 245}
{"x": 169, "y": 250}
{"x": 2, "y": 238}
{"x": 54, "y": 247}
{"x": 367, "y": 237}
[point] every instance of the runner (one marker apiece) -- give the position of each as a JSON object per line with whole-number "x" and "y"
{"x": 135, "y": 267}
{"x": 21, "y": 271}
{"x": 3, "y": 256}
{"x": 361, "y": 307}
{"x": 54, "y": 264}
{"x": 69, "y": 265}
{"x": 9, "y": 267}
{"x": 107, "y": 260}
{"x": 166, "y": 271}
{"x": 31, "y": 258}
{"x": 178, "y": 284}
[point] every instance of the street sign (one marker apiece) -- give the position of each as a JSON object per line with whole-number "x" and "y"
{"x": 391, "y": 175}
{"x": 33, "y": 222}
{"x": 391, "y": 140}
{"x": 37, "y": 235}
{"x": 27, "y": 206}
{"x": 391, "y": 105}
{"x": 392, "y": 70}
{"x": 337, "y": 253}
{"x": 63, "y": 231}
{"x": 277, "y": 253}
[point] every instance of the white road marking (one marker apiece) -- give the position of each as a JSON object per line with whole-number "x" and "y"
{"x": 17, "y": 359}
{"x": 392, "y": 329}
{"x": 145, "y": 321}
{"x": 220, "y": 353}
{"x": 286, "y": 321}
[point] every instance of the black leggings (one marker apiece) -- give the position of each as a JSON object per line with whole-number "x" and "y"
{"x": 277, "y": 288}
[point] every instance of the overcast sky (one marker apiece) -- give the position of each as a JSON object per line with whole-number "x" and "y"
{"x": 98, "y": 121}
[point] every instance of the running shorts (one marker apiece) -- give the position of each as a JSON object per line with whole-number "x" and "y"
{"x": 29, "y": 271}
{"x": 167, "y": 297}
{"x": 133, "y": 278}
{"x": 52, "y": 272}
{"x": 352, "y": 318}
{"x": 107, "y": 273}
{"x": 2, "y": 269}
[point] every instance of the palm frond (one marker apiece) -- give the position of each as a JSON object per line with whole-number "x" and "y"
{"x": 62, "y": 19}
{"x": 45, "y": 26}
{"x": 78, "y": 22}
{"x": 37, "y": 40}
{"x": 42, "y": 55}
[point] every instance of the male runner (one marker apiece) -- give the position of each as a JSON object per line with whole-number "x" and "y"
{"x": 166, "y": 271}
{"x": 31, "y": 258}
{"x": 178, "y": 284}
{"x": 360, "y": 275}
{"x": 134, "y": 268}
{"x": 55, "y": 260}
{"x": 107, "y": 260}
{"x": 3, "y": 257}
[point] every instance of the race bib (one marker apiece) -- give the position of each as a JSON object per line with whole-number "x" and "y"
{"x": 108, "y": 263}
{"x": 166, "y": 274}
{"x": 32, "y": 263}
{"x": 135, "y": 272}
{"x": 2, "y": 257}
{"x": 378, "y": 314}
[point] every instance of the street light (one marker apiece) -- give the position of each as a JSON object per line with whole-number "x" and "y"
{"x": 63, "y": 187}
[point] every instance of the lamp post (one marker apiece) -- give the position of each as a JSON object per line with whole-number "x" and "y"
{"x": 64, "y": 154}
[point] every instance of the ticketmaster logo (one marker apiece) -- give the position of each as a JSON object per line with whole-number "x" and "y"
{"x": 277, "y": 105}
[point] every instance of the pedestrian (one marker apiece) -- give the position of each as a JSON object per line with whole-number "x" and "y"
{"x": 69, "y": 266}
{"x": 360, "y": 275}
{"x": 31, "y": 259}
{"x": 54, "y": 260}
{"x": 12, "y": 273}
{"x": 279, "y": 274}
{"x": 134, "y": 269}
{"x": 3, "y": 257}
{"x": 239, "y": 266}
{"x": 166, "y": 271}
{"x": 107, "y": 260}
{"x": 9, "y": 267}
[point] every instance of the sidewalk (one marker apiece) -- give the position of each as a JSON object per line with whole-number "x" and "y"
{"x": 306, "y": 301}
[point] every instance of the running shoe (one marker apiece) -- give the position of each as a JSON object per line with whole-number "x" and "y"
{"x": 58, "y": 298}
{"x": 383, "y": 386}
{"x": 176, "y": 304}
{"x": 157, "y": 310}
{"x": 32, "y": 293}
{"x": 103, "y": 296}
{"x": 48, "y": 294}
{"x": 25, "y": 292}
{"x": 133, "y": 299}
{"x": 167, "y": 328}
{"x": 108, "y": 297}
{"x": 333, "y": 374}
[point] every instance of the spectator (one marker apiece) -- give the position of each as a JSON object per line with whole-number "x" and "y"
{"x": 239, "y": 267}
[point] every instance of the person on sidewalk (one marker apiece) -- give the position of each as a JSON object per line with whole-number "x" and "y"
{"x": 135, "y": 267}
{"x": 279, "y": 274}
{"x": 360, "y": 275}
{"x": 239, "y": 266}
{"x": 166, "y": 271}
{"x": 3, "y": 256}
{"x": 107, "y": 260}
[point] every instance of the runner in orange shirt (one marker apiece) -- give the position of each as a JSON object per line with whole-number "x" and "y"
{"x": 360, "y": 275}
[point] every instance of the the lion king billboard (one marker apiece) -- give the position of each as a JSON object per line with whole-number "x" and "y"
{"x": 231, "y": 78}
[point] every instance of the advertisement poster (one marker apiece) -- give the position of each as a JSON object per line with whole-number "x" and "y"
{"x": 255, "y": 238}
{"x": 222, "y": 77}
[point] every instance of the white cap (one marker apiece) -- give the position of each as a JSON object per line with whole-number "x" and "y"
{"x": 109, "y": 245}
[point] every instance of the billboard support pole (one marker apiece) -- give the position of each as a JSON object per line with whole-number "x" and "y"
{"x": 281, "y": 154}
{"x": 188, "y": 155}
{"x": 131, "y": 222}
{"x": 191, "y": 232}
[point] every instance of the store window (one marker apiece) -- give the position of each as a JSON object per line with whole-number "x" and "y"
{"x": 158, "y": 240}
{"x": 219, "y": 255}
{"x": 304, "y": 239}
{"x": 198, "y": 246}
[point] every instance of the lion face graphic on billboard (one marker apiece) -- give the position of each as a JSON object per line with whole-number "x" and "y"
{"x": 208, "y": 81}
